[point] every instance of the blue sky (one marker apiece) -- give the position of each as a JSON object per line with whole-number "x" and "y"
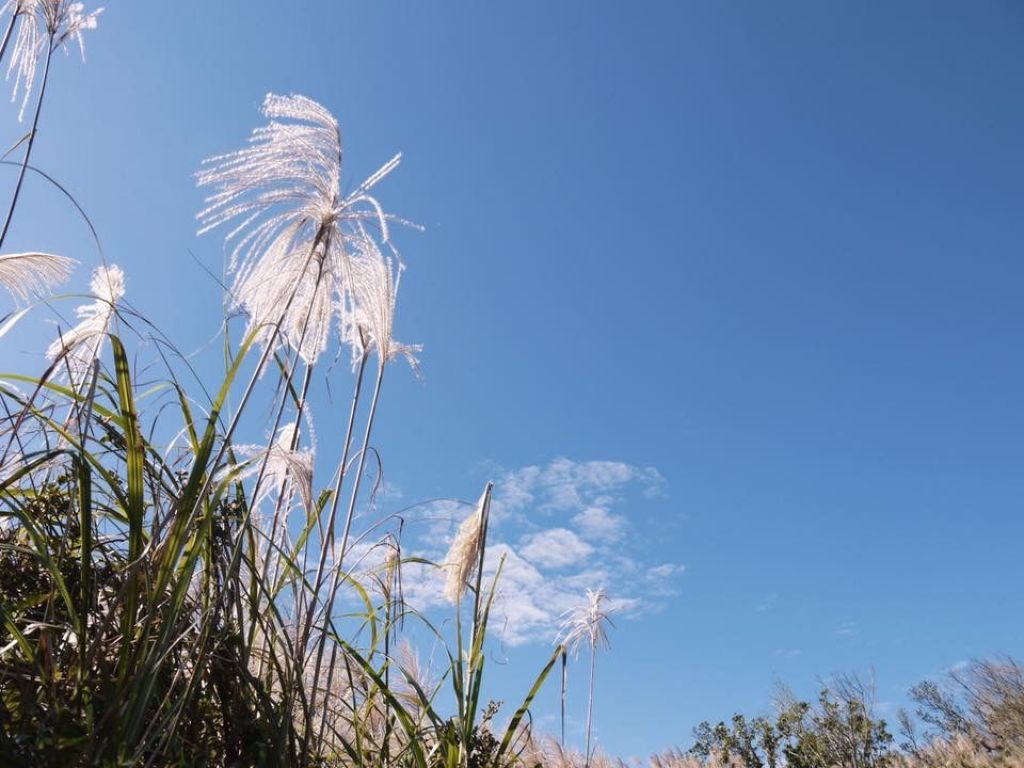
{"x": 725, "y": 296}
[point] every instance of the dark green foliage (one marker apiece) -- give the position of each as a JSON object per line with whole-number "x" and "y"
{"x": 483, "y": 747}
{"x": 60, "y": 706}
{"x": 838, "y": 730}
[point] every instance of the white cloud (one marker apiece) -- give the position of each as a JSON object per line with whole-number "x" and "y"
{"x": 597, "y": 523}
{"x": 555, "y": 548}
{"x": 665, "y": 571}
{"x": 559, "y": 530}
{"x": 566, "y": 484}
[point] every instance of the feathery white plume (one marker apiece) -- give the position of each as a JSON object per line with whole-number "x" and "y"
{"x": 586, "y": 622}
{"x": 26, "y": 273}
{"x": 373, "y": 284}
{"x": 44, "y": 24}
{"x": 83, "y": 344}
{"x": 293, "y": 225}
{"x": 281, "y": 463}
{"x": 463, "y": 556}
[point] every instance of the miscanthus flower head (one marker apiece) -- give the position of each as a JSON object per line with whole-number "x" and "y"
{"x": 463, "y": 556}
{"x": 369, "y": 318}
{"x": 293, "y": 227}
{"x": 586, "y": 622}
{"x": 43, "y": 26}
{"x": 283, "y": 463}
{"x": 83, "y": 344}
{"x": 24, "y": 274}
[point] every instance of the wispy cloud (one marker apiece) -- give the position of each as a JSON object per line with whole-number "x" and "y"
{"x": 564, "y": 484}
{"x": 787, "y": 653}
{"x": 559, "y": 529}
{"x": 768, "y": 603}
{"x": 846, "y": 629}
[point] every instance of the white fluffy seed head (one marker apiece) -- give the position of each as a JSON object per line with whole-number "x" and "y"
{"x": 586, "y": 622}
{"x": 284, "y": 461}
{"x": 373, "y": 284}
{"x": 24, "y": 274}
{"x": 83, "y": 344}
{"x": 43, "y": 26}
{"x": 293, "y": 230}
{"x": 463, "y": 556}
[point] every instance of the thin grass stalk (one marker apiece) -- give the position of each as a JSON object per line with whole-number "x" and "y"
{"x": 67, "y": 195}
{"x": 485, "y": 516}
{"x": 232, "y": 573}
{"x": 84, "y": 487}
{"x": 288, "y": 381}
{"x": 590, "y": 701}
{"x": 286, "y": 387}
{"x": 339, "y": 481}
{"x": 27, "y": 409}
{"x": 336, "y": 494}
{"x": 323, "y": 718}
{"x": 470, "y": 678}
{"x": 7, "y": 33}
{"x": 336, "y": 566}
{"x": 31, "y": 140}
{"x": 249, "y": 388}
{"x": 565, "y": 682}
{"x": 80, "y": 411}
{"x": 292, "y": 445}
{"x": 389, "y": 583}
{"x": 17, "y": 439}
{"x": 264, "y": 462}
{"x": 283, "y": 493}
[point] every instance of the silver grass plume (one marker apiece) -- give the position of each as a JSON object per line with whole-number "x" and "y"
{"x": 370, "y": 319}
{"x": 463, "y": 556}
{"x": 586, "y": 622}
{"x": 83, "y": 344}
{"x": 283, "y": 195}
{"x": 282, "y": 464}
{"x": 45, "y": 26}
{"x": 24, "y": 274}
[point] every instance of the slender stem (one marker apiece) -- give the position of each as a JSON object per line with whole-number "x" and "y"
{"x": 590, "y": 702}
{"x": 289, "y": 374}
{"x": 286, "y": 387}
{"x": 359, "y": 474}
{"x": 485, "y": 516}
{"x": 335, "y": 496}
{"x": 31, "y": 141}
{"x": 336, "y": 566}
{"x": 565, "y": 681}
{"x": 293, "y": 445}
{"x": 7, "y": 33}
{"x": 284, "y": 491}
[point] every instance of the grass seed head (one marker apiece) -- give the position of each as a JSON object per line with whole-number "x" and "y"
{"x": 24, "y": 274}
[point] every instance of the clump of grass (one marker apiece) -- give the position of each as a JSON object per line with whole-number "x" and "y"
{"x": 172, "y": 596}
